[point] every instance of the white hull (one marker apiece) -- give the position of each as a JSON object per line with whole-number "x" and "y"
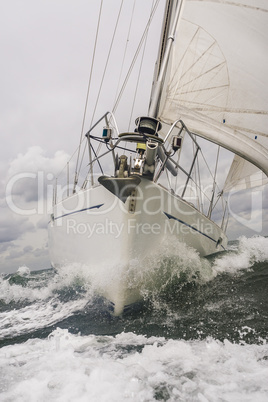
{"x": 96, "y": 229}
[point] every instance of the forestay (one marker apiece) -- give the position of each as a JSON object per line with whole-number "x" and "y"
{"x": 217, "y": 81}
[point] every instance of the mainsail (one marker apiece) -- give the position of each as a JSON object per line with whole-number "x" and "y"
{"x": 217, "y": 82}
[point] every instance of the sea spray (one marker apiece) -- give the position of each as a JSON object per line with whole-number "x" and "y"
{"x": 172, "y": 264}
{"x": 242, "y": 255}
{"x": 192, "y": 300}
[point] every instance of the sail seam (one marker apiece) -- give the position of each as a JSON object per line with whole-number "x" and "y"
{"x": 231, "y": 3}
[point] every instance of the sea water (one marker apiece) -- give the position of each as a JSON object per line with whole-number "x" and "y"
{"x": 200, "y": 336}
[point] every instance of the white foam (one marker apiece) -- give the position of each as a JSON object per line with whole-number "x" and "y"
{"x": 43, "y": 286}
{"x": 38, "y": 315}
{"x": 23, "y": 270}
{"x": 44, "y": 307}
{"x": 129, "y": 367}
{"x": 248, "y": 252}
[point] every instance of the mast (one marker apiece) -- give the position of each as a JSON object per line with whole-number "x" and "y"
{"x": 171, "y": 18}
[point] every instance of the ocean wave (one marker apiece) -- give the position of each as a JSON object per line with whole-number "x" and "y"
{"x": 184, "y": 295}
{"x": 242, "y": 255}
{"x": 129, "y": 367}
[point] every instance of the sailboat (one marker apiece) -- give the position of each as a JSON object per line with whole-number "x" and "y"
{"x": 209, "y": 85}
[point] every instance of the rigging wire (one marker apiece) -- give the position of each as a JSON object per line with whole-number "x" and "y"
{"x": 107, "y": 61}
{"x": 57, "y": 176}
{"x": 102, "y": 80}
{"x": 144, "y": 36}
{"x": 197, "y": 181}
{"x": 87, "y": 96}
{"x": 178, "y": 159}
{"x": 195, "y": 169}
{"x": 168, "y": 180}
{"x": 135, "y": 56}
{"x": 199, "y": 187}
{"x": 125, "y": 51}
{"x": 214, "y": 184}
{"x": 84, "y": 151}
{"x": 97, "y": 159}
{"x": 221, "y": 194}
{"x": 211, "y": 174}
{"x": 139, "y": 75}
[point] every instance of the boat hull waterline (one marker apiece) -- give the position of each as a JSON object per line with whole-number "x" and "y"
{"x": 112, "y": 234}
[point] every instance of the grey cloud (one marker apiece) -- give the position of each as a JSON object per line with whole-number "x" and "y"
{"x": 31, "y": 175}
{"x": 28, "y": 249}
{"x": 5, "y": 246}
{"x": 42, "y": 223}
{"x": 12, "y": 227}
{"x": 13, "y": 254}
{"x": 38, "y": 252}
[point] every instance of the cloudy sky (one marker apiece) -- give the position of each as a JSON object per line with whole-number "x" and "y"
{"x": 46, "y": 54}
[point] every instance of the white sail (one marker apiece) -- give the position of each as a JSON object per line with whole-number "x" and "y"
{"x": 243, "y": 175}
{"x": 217, "y": 81}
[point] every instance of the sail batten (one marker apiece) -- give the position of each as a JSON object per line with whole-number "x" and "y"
{"x": 217, "y": 80}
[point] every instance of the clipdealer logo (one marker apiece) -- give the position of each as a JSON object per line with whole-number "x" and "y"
{"x": 39, "y": 187}
{"x": 132, "y": 226}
